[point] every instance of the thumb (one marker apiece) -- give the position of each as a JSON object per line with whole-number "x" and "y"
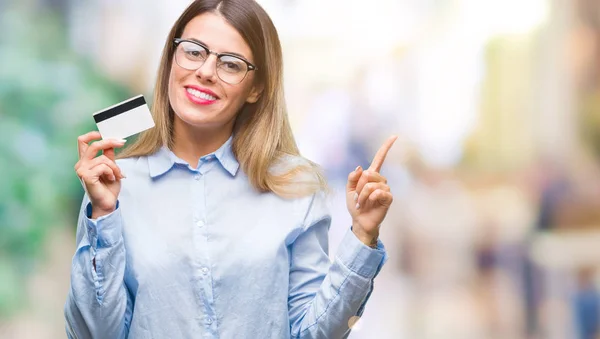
{"x": 353, "y": 179}
{"x": 110, "y": 153}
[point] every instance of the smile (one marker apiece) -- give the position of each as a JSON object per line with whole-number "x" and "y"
{"x": 200, "y": 95}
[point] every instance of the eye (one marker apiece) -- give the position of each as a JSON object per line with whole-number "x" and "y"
{"x": 231, "y": 64}
{"x": 193, "y": 51}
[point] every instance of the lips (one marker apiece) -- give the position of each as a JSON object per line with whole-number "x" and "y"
{"x": 200, "y": 96}
{"x": 202, "y": 90}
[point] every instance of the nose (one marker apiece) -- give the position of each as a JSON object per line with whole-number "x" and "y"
{"x": 208, "y": 70}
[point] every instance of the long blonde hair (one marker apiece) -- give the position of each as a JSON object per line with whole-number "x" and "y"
{"x": 262, "y": 135}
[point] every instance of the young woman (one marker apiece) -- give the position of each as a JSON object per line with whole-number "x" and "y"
{"x": 211, "y": 225}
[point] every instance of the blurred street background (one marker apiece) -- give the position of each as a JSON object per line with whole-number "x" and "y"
{"x": 495, "y": 228}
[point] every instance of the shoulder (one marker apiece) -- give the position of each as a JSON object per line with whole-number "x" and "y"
{"x": 318, "y": 209}
{"x": 297, "y": 169}
{"x": 305, "y": 177}
{"x": 285, "y": 162}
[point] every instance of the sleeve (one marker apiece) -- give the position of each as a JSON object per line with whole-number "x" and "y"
{"x": 324, "y": 294}
{"x": 98, "y": 304}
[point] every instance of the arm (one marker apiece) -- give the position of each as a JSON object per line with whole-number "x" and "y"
{"x": 98, "y": 304}
{"x": 324, "y": 296}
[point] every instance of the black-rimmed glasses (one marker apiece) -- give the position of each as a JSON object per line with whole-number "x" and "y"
{"x": 231, "y": 68}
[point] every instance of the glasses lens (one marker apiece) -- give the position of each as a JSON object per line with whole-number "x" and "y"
{"x": 190, "y": 55}
{"x": 231, "y": 69}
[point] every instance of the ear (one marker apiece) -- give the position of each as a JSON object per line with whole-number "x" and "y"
{"x": 255, "y": 94}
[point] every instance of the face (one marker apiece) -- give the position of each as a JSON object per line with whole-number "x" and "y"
{"x": 200, "y": 98}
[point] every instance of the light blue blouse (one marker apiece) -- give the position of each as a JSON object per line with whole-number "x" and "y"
{"x": 198, "y": 253}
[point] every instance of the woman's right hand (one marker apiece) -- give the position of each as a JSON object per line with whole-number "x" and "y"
{"x": 100, "y": 175}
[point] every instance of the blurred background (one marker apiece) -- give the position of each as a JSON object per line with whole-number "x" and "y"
{"x": 495, "y": 228}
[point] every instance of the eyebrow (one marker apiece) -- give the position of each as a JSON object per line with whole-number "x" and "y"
{"x": 206, "y": 45}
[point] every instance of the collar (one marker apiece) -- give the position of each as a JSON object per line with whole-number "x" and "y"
{"x": 164, "y": 159}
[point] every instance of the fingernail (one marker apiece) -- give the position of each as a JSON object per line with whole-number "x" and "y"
{"x": 357, "y": 206}
{"x": 123, "y": 176}
{"x": 122, "y": 141}
{"x": 357, "y": 168}
{"x": 355, "y": 196}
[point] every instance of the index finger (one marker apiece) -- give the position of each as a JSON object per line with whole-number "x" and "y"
{"x": 84, "y": 140}
{"x": 103, "y": 145}
{"x": 382, "y": 153}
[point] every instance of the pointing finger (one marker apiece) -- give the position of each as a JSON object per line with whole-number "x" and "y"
{"x": 382, "y": 153}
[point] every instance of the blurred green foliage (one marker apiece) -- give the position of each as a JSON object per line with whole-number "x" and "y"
{"x": 47, "y": 96}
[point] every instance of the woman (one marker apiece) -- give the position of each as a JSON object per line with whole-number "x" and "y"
{"x": 220, "y": 228}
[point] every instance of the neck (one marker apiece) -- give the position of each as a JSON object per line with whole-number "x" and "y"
{"x": 190, "y": 143}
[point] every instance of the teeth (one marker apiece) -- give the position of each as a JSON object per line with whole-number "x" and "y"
{"x": 199, "y": 94}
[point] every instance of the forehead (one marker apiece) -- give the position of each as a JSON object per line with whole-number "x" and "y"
{"x": 213, "y": 30}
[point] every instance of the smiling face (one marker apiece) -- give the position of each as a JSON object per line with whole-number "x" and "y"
{"x": 200, "y": 98}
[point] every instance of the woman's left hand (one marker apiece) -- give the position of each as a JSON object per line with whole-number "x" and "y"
{"x": 368, "y": 197}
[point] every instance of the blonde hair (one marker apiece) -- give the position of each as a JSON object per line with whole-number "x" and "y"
{"x": 262, "y": 135}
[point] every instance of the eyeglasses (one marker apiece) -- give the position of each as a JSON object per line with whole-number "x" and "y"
{"x": 231, "y": 68}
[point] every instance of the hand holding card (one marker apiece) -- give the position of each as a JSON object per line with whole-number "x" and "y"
{"x": 99, "y": 175}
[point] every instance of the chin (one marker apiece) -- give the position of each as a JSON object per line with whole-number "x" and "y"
{"x": 200, "y": 116}
{"x": 191, "y": 113}
{"x": 194, "y": 120}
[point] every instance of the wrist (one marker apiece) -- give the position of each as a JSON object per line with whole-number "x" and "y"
{"x": 97, "y": 213}
{"x": 367, "y": 238}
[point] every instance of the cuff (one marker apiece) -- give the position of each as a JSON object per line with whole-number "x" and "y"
{"x": 104, "y": 231}
{"x": 360, "y": 258}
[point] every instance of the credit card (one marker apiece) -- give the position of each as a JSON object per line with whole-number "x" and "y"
{"x": 124, "y": 119}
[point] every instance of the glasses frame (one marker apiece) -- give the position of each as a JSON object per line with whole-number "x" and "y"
{"x": 251, "y": 67}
